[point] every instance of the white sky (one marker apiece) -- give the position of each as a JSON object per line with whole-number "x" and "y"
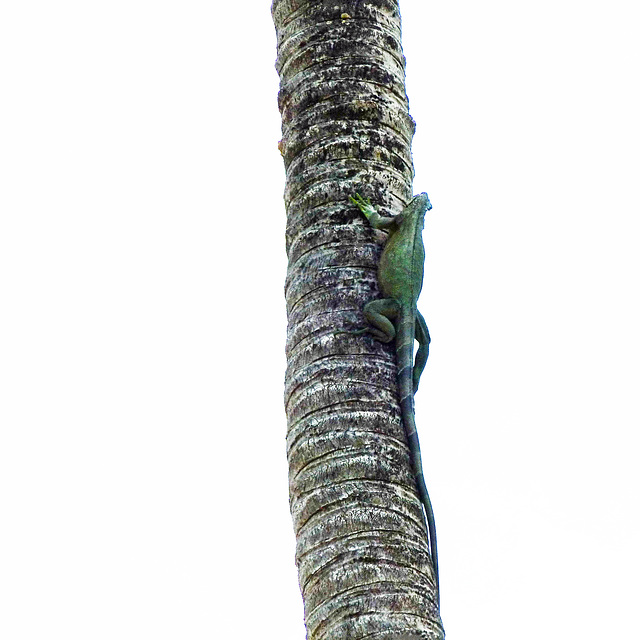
{"x": 143, "y": 486}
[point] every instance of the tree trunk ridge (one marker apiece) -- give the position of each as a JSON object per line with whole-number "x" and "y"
{"x": 362, "y": 552}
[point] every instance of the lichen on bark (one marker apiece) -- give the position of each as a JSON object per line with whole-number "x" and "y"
{"x": 362, "y": 551}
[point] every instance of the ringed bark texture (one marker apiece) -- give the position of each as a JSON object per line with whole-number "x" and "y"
{"x": 362, "y": 552}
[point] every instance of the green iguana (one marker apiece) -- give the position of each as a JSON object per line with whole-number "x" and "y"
{"x": 396, "y": 316}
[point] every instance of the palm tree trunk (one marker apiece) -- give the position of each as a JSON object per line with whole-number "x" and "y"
{"x": 362, "y": 551}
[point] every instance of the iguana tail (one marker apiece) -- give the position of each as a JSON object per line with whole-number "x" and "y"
{"x": 404, "y": 349}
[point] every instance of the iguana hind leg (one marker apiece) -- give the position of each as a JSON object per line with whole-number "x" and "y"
{"x": 380, "y": 315}
{"x": 423, "y": 338}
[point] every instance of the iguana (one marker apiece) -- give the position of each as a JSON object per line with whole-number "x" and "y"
{"x": 396, "y": 315}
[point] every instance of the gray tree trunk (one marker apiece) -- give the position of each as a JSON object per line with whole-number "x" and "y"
{"x": 362, "y": 551}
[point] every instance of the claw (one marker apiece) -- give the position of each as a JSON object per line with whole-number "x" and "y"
{"x": 363, "y": 204}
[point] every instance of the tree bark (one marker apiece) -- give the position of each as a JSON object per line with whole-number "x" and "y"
{"x": 362, "y": 551}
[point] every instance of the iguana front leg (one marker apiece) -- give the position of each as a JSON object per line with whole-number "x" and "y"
{"x": 375, "y": 219}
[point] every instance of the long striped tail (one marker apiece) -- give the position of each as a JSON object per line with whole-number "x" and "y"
{"x": 404, "y": 349}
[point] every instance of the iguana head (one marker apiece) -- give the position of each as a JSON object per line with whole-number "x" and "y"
{"x": 417, "y": 209}
{"x": 425, "y": 203}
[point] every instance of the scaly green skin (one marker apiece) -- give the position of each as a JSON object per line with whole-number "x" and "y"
{"x": 396, "y": 316}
